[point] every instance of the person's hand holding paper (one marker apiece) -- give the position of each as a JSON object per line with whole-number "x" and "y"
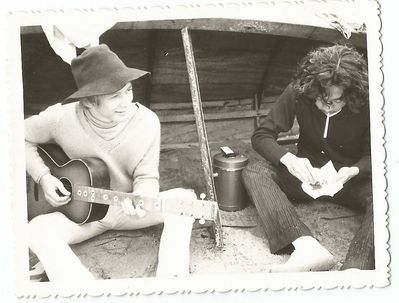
{"x": 346, "y": 173}
{"x": 299, "y": 167}
{"x": 328, "y": 181}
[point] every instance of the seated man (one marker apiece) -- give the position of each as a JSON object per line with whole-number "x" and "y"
{"x": 101, "y": 120}
{"x": 329, "y": 98}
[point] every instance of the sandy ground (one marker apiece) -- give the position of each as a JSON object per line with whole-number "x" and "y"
{"x": 133, "y": 254}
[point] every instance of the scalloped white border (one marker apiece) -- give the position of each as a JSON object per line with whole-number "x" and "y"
{"x": 197, "y": 284}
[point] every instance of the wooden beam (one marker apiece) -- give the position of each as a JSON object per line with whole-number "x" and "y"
{"x": 177, "y": 118}
{"x": 321, "y": 33}
{"x": 159, "y": 106}
{"x": 283, "y": 140}
{"x": 201, "y": 130}
{"x": 209, "y": 104}
{"x": 256, "y": 107}
{"x": 205, "y": 104}
{"x": 265, "y": 75}
{"x": 151, "y": 47}
{"x": 34, "y": 108}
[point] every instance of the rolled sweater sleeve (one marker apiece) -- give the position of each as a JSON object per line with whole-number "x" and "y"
{"x": 146, "y": 174}
{"x": 280, "y": 119}
{"x": 39, "y": 129}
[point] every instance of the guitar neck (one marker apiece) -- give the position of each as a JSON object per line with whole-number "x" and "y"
{"x": 106, "y": 196}
{"x": 198, "y": 209}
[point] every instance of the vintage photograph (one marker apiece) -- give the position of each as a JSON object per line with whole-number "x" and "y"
{"x": 194, "y": 148}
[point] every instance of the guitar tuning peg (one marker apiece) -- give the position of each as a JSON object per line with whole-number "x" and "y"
{"x": 202, "y": 196}
{"x": 201, "y": 221}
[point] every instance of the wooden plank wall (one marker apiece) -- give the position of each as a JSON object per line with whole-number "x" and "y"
{"x": 232, "y": 69}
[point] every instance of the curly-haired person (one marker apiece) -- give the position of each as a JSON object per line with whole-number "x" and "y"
{"x": 329, "y": 98}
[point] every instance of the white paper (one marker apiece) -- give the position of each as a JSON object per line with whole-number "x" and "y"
{"x": 326, "y": 185}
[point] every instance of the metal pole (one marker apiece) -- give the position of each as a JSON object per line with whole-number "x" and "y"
{"x": 201, "y": 129}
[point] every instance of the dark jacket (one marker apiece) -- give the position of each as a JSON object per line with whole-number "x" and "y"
{"x": 347, "y": 142}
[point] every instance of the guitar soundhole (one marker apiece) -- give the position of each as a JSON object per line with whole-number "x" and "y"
{"x": 67, "y": 184}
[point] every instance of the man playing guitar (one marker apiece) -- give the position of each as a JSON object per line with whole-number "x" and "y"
{"x": 101, "y": 120}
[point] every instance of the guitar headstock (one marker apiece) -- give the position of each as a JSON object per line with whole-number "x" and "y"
{"x": 197, "y": 209}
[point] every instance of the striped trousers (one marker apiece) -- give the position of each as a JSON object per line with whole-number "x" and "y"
{"x": 274, "y": 190}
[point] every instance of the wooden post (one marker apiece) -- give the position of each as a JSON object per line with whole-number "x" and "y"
{"x": 206, "y": 159}
{"x": 256, "y": 107}
{"x": 259, "y": 92}
{"x": 151, "y": 46}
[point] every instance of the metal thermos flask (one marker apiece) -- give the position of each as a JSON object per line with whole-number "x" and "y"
{"x": 230, "y": 189}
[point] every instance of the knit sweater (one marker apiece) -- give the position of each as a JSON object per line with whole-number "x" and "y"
{"x": 347, "y": 142}
{"x": 132, "y": 157}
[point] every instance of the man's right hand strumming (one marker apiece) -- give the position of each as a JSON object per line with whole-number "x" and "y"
{"x": 54, "y": 191}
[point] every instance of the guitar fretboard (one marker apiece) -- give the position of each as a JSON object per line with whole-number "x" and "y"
{"x": 198, "y": 209}
{"x": 109, "y": 197}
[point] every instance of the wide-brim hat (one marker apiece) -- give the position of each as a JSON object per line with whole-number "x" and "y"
{"x": 99, "y": 71}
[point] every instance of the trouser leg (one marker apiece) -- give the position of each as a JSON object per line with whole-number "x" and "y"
{"x": 174, "y": 247}
{"x": 361, "y": 250}
{"x": 49, "y": 238}
{"x": 358, "y": 195}
{"x": 270, "y": 188}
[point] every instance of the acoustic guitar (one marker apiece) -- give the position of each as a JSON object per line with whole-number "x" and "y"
{"x": 88, "y": 182}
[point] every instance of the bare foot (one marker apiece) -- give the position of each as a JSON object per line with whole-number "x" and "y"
{"x": 309, "y": 255}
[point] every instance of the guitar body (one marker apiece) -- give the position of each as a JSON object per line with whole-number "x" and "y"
{"x": 88, "y": 172}
{"x": 88, "y": 182}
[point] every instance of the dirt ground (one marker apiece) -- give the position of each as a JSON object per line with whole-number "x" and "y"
{"x": 133, "y": 254}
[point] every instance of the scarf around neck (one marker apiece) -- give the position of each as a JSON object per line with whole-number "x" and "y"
{"x": 104, "y": 129}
